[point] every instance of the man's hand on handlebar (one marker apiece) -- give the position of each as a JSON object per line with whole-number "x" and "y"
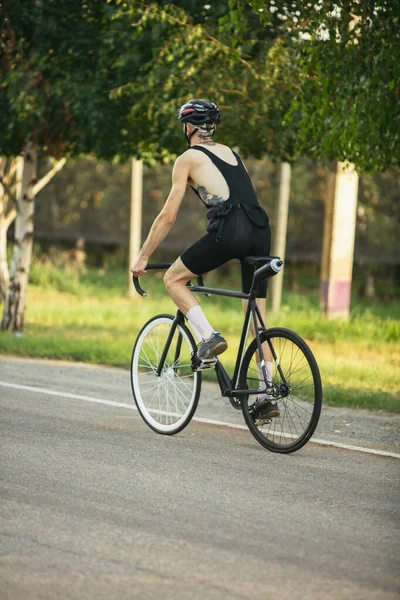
{"x": 139, "y": 268}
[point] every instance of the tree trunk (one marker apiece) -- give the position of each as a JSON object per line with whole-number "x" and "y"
{"x": 4, "y": 276}
{"x": 6, "y": 218}
{"x": 14, "y": 309}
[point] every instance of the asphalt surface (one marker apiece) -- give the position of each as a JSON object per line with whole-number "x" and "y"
{"x": 96, "y": 505}
{"x": 372, "y": 429}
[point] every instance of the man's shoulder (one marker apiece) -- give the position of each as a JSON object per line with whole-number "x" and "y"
{"x": 186, "y": 161}
{"x": 185, "y": 155}
{"x": 189, "y": 156}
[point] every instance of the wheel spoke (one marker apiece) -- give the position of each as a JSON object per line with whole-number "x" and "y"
{"x": 148, "y": 360}
{"x": 181, "y": 398}
{"x": 166, "y": 402}
{"x": 299, "y": 392}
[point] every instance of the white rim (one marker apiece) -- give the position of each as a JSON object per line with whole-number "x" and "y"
{"x": 296, "y": 409}
{"x": 163, "y": 396}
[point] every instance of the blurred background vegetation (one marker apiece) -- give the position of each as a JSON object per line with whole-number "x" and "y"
{"x": 87, "y": 208}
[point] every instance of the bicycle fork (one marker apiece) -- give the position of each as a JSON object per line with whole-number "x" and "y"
{"x": 179, "y": 319}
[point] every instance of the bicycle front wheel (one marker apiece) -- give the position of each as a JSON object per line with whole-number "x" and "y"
{"x": 296, "y": 389}
{"x": 166, "y": 402}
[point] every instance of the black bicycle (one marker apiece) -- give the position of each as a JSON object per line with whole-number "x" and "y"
{"x": 166, "y": 383}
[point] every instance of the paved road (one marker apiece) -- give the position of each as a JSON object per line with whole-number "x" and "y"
{"x": 341, "y": 425}
{"x": 95, "y": 505}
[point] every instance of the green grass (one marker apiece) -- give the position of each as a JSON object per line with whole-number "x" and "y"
{"x": 88, "y": 318}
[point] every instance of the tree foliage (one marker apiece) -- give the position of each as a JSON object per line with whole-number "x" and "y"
{"x": 192, "y": 53}
{"x": 348, "y": 103}
{"x": 59, "y": 62}
{"x": 292, "y": 78}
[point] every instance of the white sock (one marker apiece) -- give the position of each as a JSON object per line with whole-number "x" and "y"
{"x": 198, "y": 320}
{"x": 268, "y": 368}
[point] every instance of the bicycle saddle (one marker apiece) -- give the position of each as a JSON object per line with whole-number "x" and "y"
{"x": 252, "y": 260}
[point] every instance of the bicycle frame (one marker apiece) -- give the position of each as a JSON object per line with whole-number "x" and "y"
{"x": 226, "y": 384}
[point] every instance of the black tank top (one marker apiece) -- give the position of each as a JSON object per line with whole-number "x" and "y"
{"x": 238, "y": 180}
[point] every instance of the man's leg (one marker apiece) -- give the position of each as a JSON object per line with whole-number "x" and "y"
{"x": 204, "y": 255}
{"x": 175, "y": 281}
{"x": 266, "y": 409}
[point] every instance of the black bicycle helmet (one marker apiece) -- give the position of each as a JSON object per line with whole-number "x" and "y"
{"x": 201, "y": 113}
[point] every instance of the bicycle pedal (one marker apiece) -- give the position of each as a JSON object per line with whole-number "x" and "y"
{"x": 261, "y": 422}
{"x": 203, "y": 365}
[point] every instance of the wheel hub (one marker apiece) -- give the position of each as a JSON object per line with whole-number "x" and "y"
{"x": 284, "y": 390}
{"x": 168, "y": 374}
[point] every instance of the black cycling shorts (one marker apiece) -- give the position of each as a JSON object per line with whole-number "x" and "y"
{"x": 240, "y": 238}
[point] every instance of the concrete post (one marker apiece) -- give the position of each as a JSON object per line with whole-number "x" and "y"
{"x": 135, "y": 231}
{"x": 338, "y": 251}
{"x": 279, "y": 234}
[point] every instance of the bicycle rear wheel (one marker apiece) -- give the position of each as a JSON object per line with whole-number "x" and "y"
{"x": 296, "y": 389}
{"x": 167, "y": 402}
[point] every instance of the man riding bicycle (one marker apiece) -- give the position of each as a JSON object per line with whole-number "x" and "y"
{"x": 237, "y": 227}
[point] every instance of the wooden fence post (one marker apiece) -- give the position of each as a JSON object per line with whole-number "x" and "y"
{"x": 279, "y": 235}
{"x": 135, "y": 232}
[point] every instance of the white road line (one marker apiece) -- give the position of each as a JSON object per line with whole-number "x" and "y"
{"x": 39, "y": 390}
{"x": 47, "y": 392}
{"x": 312, "y": 440}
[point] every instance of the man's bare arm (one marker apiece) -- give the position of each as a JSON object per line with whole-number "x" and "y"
{"x": 164, "y": 222}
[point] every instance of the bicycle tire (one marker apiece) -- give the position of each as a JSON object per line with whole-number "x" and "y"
{"x": 168, "y": 381}
{"x": 268, "y": 438}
